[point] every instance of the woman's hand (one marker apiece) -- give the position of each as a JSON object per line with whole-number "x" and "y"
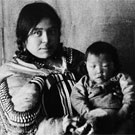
{"x": 69, "y": 124}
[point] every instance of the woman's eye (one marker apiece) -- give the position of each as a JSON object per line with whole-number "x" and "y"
{"x": 52, "y": 31}
{"x": 37, "y": 33}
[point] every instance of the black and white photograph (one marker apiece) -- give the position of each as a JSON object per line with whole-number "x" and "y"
{"x": 67, "y": 67}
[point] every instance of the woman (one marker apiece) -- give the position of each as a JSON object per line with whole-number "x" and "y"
{"x": 35, "y": 86}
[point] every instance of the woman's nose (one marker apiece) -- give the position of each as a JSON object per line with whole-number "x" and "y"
{"x": 44, "y": 37}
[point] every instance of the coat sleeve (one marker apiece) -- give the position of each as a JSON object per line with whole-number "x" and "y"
{"x": 128, "y": 90}
{"x": 28, "y": 94}
{"x": 18, "y": 115}
{"x": 79, "y": 100}
{"x": 20, "y": 104}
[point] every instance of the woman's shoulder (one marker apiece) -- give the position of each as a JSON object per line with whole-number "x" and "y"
{"x": 75, "y": 61}
{"x": 73, "y": 55}
{"x": 5, "y": 65}
{"x": 14, "y": 70}
{"x": 5, "y": 70}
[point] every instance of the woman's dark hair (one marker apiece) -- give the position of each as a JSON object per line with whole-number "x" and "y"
{"x": 101, "y": 47}
{"x": 30, "y": 16}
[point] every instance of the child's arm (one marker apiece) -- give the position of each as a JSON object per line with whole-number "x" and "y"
{"x": 78, "y": 98}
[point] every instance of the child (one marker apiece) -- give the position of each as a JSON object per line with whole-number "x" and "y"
{"x": 104, "y": 96}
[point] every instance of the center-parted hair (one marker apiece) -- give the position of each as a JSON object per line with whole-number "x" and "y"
{"x": 30, "y": 16}
{"x": 105, "y": 48}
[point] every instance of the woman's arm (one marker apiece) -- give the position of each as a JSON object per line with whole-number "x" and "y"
{"x": 20, "y": 111}
{"x": 29, "y": 95}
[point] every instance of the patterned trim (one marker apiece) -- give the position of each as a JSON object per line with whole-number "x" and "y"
{"x": 69, "y": 55}
{"x": 39, "y": 80}
{"x": 13, "y": 120}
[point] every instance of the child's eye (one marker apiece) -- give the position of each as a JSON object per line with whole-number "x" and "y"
{"x": 92, "y": 66}
{"x": 106, "y": 65}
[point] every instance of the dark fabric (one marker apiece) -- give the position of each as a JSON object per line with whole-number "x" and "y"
{"x": 56, "y": 97}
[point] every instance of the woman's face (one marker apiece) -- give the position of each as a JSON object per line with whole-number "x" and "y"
{"x": 100, "y": 68}
{"x": 43, "y": 40}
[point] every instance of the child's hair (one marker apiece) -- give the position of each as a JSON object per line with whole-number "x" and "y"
{"x": 30, "y": 16}
{"x": 101, "y": 47}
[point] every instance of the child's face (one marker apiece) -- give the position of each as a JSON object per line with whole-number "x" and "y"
{"x": 43, "y": 39}
{"x": 100, "y": 68}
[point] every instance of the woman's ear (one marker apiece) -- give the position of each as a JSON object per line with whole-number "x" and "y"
{"x": 24, "y": 49}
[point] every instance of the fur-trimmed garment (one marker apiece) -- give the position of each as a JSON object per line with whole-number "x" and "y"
{"x": 30, "y": 96}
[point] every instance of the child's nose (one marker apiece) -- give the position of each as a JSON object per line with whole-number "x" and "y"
{"x": 99, "y": 69}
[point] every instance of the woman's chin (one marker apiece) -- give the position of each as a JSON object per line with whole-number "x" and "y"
{"x": 43, "y": 56}
{"x": 99, "y": 81}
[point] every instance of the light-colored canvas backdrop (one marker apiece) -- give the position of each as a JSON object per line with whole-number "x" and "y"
{"x": 83, "y": 22}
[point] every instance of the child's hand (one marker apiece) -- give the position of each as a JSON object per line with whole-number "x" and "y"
{"x": 98, "y": 118}
{"x": 95, "y": 114}
{"x": 98, "y": 112}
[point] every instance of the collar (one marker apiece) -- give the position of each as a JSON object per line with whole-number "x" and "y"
{"x": 92, "y": 84}
{"x": 52, "y": 65}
